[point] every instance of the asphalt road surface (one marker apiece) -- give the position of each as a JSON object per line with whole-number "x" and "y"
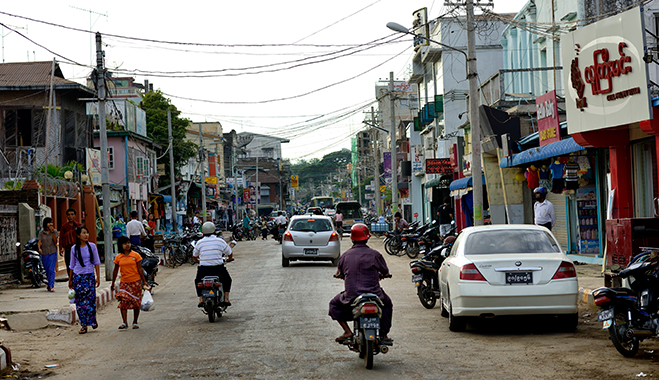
{"x": 278, "y": 328}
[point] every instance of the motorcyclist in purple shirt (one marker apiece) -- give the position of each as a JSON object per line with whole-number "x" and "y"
{"x": 362, "y": 268}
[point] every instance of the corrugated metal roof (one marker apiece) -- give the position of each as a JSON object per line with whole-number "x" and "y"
{"x": 30, "y": 75}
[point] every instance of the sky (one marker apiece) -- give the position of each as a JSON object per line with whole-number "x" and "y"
{"x": 299, "y": 70}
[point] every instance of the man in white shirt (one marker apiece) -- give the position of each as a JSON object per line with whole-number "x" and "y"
{"x": 280, "y": 222}
{"x": 135, "y": 229}
{"x": 196, "y": 220}
{"x": 211, "y": 253}
{"x": 543, "y": 210}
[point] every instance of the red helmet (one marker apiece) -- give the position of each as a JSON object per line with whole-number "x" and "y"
{"x": 359, "y": 232}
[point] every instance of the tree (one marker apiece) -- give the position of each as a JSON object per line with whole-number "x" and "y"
{"x": 156, "y": 105}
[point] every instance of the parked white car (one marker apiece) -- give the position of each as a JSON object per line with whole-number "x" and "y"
{"x": 310, "y": 238}
{"x": 507, "y": 270}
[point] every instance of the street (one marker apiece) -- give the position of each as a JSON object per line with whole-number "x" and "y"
{"x": 278, "y": 328}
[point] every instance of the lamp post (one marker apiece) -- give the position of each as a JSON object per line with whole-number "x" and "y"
{"x": 474, "y": 120}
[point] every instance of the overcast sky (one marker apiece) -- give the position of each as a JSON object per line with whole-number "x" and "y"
{"x": 320, "y": 110}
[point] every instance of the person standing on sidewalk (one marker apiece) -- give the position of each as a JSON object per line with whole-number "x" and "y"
{"x": 543, "y": 210}
{"x": 132, "y": 281}
{"x": 445, "y": 214}
{"x": 135, "y": 229}
{"x": 68, "y": 237}
{"x": 84, "y": 262}
{"x": 48, "y": 251}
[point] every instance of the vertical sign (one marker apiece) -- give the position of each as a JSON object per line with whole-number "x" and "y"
{"x": 547, "y": 111}
{"x": 387, "y": 167}
{"x": 294, "y": 182}
{"x": 94, "y": 165}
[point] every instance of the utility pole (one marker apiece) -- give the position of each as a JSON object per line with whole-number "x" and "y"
{"x": 376, "y": 162}
{"x": 394, "y": 152}
{"x": 474, "y": 118}
{"x": 202, "y": 174}
{"x": 172, "y": 180}
{"x": 105, "y": 173}
{"x": 258, "y": 188}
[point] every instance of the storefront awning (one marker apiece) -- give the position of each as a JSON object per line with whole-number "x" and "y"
{"x": 462, "y": 183}
{"x": 441, "y": 182}
{"x": 558, "y": 148}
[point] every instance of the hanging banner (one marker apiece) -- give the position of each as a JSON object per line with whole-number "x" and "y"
{"x": 387, "y": 167}
{"x": 94, "y": 165}
{"x": 549, "y": 130}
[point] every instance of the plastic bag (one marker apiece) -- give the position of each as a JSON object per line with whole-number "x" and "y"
{"x": 147, "y": 301}
{"x": 72, "y": 296}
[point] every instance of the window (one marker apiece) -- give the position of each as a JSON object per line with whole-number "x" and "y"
{"x": 510, "y": 241}
{"x": 139, "y": 165}
{"x": 147, "y": 172}
{"x": 18, "y": 127}
{"x": 110, "y": 157}
{"x": 315, "y": 225}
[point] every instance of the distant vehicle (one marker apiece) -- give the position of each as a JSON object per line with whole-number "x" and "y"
{"x": 312, "y": 210}
{"x": 310, "y": 238}
{"x": 322, "y": 202}
{"x": 507, "y": 270}
{"x": 352, "y": 213}
{"x": 330, "y": 212}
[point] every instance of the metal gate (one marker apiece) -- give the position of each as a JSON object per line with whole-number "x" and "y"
{"x": 561, "y": 227}
{"x": 9, "y": 260}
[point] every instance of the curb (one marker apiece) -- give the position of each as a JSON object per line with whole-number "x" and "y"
{"x": 586, "y": 296}
{"x": 5, "y": 357}
{"x": 67, "y": 314}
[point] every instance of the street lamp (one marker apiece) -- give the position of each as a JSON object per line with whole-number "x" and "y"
{"x": 472, "y": 76}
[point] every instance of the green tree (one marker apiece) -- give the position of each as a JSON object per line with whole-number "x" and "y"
{"x": 155, "y": 104}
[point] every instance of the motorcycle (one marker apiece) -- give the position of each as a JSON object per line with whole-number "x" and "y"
{"x": 366, "y": 313}
{"x": 32, "y": 263}
{"x": 632, "y": 314}
{"x": 212, "y": 293}
{"x": 236, "y": 232}
{"x": 425, "y": 273}
{"x": 149, "y": 264}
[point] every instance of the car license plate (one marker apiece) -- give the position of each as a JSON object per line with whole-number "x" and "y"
{"x": 417, "y": 278}
{"x": 519, "y": 278}
{"x": 605, "y": 316}
{"x": 207, "y": 293}
{"x": 369, "y": 322}
{"x": 311, "y": 251}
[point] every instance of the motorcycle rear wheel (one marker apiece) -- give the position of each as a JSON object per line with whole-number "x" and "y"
{"x": 627, "y": 347}
{"x": 169, "y": 259}
{"x": 211, "y": 312}
{"x": 368, "y": 356}
{"x": 426, "y": 295}
{"x": 36, "y": 279}
{"x": 412, "y": 250}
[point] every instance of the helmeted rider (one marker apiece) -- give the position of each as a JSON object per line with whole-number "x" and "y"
{"x": 543, "y": 210}
{"x": 362, "y": 268}
{"x": 211, "y": 253}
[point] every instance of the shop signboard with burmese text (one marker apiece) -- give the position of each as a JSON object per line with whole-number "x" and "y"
{"x": 547, "y": 115}
{"x": 438, "y": 166}
{"x": 606, "y": 81}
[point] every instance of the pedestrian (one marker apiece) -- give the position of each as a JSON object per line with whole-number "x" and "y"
{"x": 338, "y": 220}
{"x": 543, "y": 209}
{"x": 68, "y": 237}
{"x": 445, "y": 214}
{"x": 264, "y": 227}
{"x": 134, "y": 229}
{"x": 399, "y": 223}
{"x": 196, "y": 220}
{"x": 48, "y": 251}
{"x": 150, "y": 227}
{"x": 84, "y": 278}
{"x": 129, "y": 264}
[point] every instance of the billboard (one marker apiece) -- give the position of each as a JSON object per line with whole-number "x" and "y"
{"x": 549, "y": 130}
{"x": 94, "y": 165}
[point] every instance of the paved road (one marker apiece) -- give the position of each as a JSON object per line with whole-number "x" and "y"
{"x": 278, "y": 328}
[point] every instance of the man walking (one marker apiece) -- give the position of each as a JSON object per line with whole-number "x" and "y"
{"x": 445, "y": 214}
{"x": 543, "y": 210}
{"x": 68, "y": 236}
{"x": 135, "y": 229}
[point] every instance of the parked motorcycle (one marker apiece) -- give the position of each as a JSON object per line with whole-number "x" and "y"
{"x": 32, "y": 263}
{"x": 632, "y": 314}
{"x": 212, "y": 293}
{"x": 366, "y": 313}
{"x": 425, "y": 273}
{"x": 149, "y": 264}
{"x": 236, "y": 232}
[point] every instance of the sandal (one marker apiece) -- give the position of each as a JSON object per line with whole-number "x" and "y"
{"x": 135, "y": 326}
{"x": 344, "y": 338}
{"x": 83, "y": 330}
{"x": 123, "y": 326}
{"x": 95, "y": 326}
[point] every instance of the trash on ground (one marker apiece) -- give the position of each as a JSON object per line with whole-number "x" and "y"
{"x": 51, "y": 365}
{"x": 642, "y": 375}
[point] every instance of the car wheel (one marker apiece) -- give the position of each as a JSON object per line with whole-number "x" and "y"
{"x": 335, "y": 262}
{"x": 455, "y": 324}
{"x": 285, "y": 262}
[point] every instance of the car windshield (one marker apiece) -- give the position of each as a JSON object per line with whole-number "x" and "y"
{"x": 510, "y": 241}
{"x": 351, "y": 213}
{"x": 315, "y": 225}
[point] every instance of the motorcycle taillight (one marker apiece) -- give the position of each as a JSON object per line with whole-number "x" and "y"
{"x": 208, "y": 283}
{"x": 369, "y": 308}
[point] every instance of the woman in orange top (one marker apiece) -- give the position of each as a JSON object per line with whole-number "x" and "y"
{"x": 132, "y": 281}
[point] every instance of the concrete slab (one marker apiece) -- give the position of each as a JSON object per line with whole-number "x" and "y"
{"x": 27, "y": 321}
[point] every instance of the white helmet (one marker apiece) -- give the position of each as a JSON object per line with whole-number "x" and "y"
{"x": 208, "y": 228}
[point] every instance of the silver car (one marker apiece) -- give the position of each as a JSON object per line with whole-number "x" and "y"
{"x": 310, "y": 238}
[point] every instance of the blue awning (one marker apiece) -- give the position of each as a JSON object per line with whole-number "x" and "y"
{"x": 558, "y": 148}
{"x": 463, "y": 183}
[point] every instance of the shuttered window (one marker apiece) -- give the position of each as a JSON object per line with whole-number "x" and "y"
{"x": 560, "y": 229}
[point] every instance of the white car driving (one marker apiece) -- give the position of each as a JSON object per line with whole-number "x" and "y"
{"x": 507, "y": 270}
{"x": 310, "y": 238}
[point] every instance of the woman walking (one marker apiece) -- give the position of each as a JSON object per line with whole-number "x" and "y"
{"x": 132, "y": 281}
{"x": 84, "y": 262}
{"x": 48, "y": 251}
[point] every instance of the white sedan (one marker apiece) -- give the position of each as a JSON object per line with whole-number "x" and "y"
{"x": 310, "y": 238}
{"x": 507, "y": 270}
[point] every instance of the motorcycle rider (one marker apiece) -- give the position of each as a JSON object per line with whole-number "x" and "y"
{"x": 280, "y": 222}
{"x": 211, "y": 253}
{"x": 362, "y": 268}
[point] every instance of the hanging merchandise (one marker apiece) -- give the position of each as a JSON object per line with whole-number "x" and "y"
{"x": 571, "y": 175}
{"x": 543, "y": 174}
{"x": 532, "y": 177}
{"x": 588, "y": 225}
{"x": 557, "y": 182}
